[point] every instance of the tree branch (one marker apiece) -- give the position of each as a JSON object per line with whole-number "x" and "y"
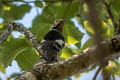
{"x": 15, "y": 26}
{"x": 29, "y": 35}
{"x": 82, "y": 62}
{"x": 96, "y": 25}
{"x": 6, "y": 33}
{"x": 96, "y": 74}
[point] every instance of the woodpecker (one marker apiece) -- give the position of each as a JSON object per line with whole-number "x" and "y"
{"x": 53, "y": 41}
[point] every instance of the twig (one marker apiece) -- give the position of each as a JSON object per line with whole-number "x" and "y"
{"x": 29, "y": 35}
{"x": 96, "y": 74}
{"x": 113, "y": 76}
{"x": 15, "y": 26}
{"x": 111, "y": 16}
{"x": 6, "y": 33}
{"x": 37, "y": 11}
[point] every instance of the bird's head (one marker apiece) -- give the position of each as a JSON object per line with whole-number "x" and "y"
{"x": 58, "y": 25}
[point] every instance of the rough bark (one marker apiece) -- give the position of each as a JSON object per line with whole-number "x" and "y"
{"x": 84, "y": 61}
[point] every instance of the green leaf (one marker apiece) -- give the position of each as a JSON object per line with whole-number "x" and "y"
{"x": 72, "y": 34}
{"x": 3, "y": 28}
{"x": 89, "y": 43}
{"x": 1, "y": 25}
{"x": 67, "y": 52}
{"x": 47, "y": 17}
{"x": 106, "y": 33}
{"x": 1, "y": 10}
{"x": 62, "y": 9}
{"x": 40, "y": 27}
{"x": 27, "y": 58}
{"x": 10, "y": 49}
{"x": 114, "y": 67}
{"x": 111, "y": 27}
{"x": 67, "y": 79}
{"x": 39, "y": 4}
{"x": 58, "y": 10}
{"x": 15, "y": 12}
{"x": 2, "y": 69}
{"x": 88, "y": 27}
{"x": 116, "y": 5}
{"x": 77, "y": 76}
{"x": 13, "y": 75}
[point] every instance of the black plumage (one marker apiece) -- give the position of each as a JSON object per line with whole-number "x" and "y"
{"x": 53, "y": 35}
{"x": 52, "y": 43}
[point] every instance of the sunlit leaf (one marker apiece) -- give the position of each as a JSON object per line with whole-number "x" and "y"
{"x": 7, "y": 8}
{"x": 88, "y": 27}
{"x": 89, "y": 43}
{"x": 114, "y": 67}
{"x": 2, "y": 69}
{"x": 3, "y": 28}
{"x": 106, "y": 30}
{"x": 71, "y": 40}
{"x": 1, "y": 25}
{"x": 111, "y": 27}
{"x": 66, "y": 53}
{"x": 72, "y": 34}
{"x": 77, "y": 76}
{"x": 106, "y": 33}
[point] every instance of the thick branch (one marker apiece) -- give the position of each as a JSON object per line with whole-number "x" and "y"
{"x": 94, "y": 19}
{"x": 96, "y": 25}
{"x": 82, "y": 62}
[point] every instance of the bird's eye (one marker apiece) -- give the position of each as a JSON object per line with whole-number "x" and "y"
{"x": 56, "y": 20}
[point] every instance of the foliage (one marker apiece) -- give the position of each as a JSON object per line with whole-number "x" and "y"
{"x": 21, "y": 50}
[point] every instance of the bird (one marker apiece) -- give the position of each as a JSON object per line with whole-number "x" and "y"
{"x": 53, "y": 42}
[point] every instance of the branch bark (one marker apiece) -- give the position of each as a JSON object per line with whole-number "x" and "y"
{"x": 15, "y": 26}
{"x": 82, "y": 62}
{"x": 6, "y": 33}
